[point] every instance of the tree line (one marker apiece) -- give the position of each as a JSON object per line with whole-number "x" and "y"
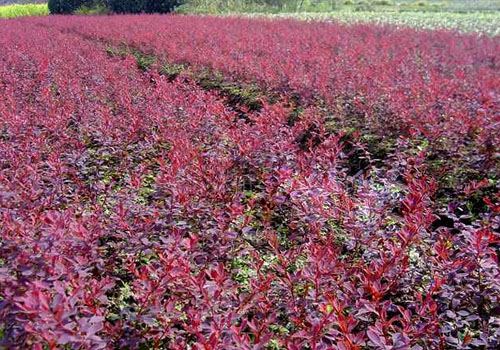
{"x": 117, "y": 6}
{"x": 164, "y": 6}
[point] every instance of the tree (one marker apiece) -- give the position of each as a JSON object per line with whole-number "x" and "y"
{"x": 161, "y": 6}
{"x": 143, "y": 6}
{"x": 64, "y": 6}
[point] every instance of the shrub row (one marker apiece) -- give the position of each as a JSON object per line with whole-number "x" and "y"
{"x": 117, "y": 6}
{"x": 138, "y": 212}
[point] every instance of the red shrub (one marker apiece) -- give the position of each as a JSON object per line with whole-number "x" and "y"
{"x": 138, "y": 212}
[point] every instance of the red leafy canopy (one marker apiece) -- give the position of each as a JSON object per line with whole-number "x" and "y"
{"x": 145, "y": 211}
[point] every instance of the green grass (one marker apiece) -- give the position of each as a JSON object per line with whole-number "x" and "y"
{"x": 92, "y": 10}
{"x": 13, "y": 11}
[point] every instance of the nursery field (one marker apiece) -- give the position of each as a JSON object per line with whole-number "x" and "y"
{"x": 473, "y": 22}
{"x": 184, "y": 182}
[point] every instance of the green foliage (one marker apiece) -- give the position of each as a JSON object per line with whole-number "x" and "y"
{"x": 161, "y": 6}
{"x": 117, "y": 6}
{"x": 277, "y": 6}
{"x": 13, "y": 11}
{"x": 143, "y": 6}
{"x": 269, "y": 6}
{"x": 124, "y": 6}
{"x": 144, "y": 62}
{"x": 382, "y": 3}
{"x": 64, "y": 6}
{"x": 363, "y": 5}
{"x": 172, "y": 70}
{"x": 92, "y": 9}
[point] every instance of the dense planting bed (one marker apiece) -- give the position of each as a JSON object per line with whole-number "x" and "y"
{"x": 474, "y": 22}
{"x": 189, "y": 182}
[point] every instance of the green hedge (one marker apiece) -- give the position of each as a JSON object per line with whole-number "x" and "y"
{"x": 117, "y": 6}
{"x": 65, "y": 6}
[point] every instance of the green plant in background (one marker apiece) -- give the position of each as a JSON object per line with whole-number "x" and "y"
{"x": 65, "y": 6}
{"x": 278, "y": 6}
{"x": 122, "y": 6}
{"x": 143, "y": 6}
{"x": 378, "y": 10}
{"x": 12, "y": 11}
{"x": 383, "y": 2}
{"x": 92, "y": 9}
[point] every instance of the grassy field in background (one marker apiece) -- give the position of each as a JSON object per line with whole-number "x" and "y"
{"x": 12, "y": 11}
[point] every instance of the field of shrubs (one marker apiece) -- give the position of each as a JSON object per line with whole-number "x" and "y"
{"x": 486, "y": 23}
{"x": 190, "y": 182}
